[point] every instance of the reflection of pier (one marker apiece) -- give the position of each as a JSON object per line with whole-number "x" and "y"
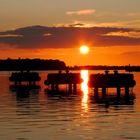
{"x": 112, "y": 80}
{"x": 30, "y": 78}
{"x": 70, "y": 79}
{"x": 24, "y": 91}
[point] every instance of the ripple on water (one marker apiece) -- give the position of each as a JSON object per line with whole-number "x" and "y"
{"x": 42, "y": 116}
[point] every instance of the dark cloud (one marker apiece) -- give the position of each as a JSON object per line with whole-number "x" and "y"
{"x": 64, "y": 37}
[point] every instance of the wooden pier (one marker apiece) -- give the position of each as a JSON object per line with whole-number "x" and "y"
{"x": 102, "y": 81}
{"x": 70, "y": 79}
{"x": 112, "y": 80}
{"x": 30, "y": 78}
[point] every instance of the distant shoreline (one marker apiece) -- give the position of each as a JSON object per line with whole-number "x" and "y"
{"x": 53, "y": 65}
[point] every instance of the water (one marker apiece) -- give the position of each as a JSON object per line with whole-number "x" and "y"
{"x": 39, "y": 116}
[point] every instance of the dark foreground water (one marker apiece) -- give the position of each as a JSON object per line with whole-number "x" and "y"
{"x": 40, "y": 116}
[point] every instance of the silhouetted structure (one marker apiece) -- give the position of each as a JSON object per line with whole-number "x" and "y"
{"x": 97, "y": 67}
{"x": 110, "y": 80}
{"x": 132, "y": 68}
{"x": 70, "y": 79}
{"x": 29, "y": 77}
{"x": 105, "y": 67}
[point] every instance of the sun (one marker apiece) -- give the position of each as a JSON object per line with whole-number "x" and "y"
{"x": 84, "y": 49}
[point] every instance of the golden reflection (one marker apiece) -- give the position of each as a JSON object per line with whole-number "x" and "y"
{"x": 84, "y": 88}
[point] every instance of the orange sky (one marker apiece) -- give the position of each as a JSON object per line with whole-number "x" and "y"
{"x": 72, "y": 56}
{"x": 56, "y": 29}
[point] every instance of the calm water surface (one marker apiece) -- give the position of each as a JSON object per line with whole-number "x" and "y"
{"x": 40, "y": 116}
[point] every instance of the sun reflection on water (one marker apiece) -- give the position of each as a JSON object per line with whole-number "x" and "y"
{"x": 84, "y": 88}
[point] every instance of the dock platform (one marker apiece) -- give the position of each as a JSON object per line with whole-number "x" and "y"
{"x": 99, "y": 82}
{"x": 70, "y": 79}
{"x": 112, "y": 80}
{"x": 29, "y": 77}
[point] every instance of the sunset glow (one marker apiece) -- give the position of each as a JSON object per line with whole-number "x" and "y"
{"x": 78, "y": 33}
{"x": 84, "y": 49}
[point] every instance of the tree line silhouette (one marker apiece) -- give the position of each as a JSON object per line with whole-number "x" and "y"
{"x": 105, "y": 67}
{"x": 31, "y": 64}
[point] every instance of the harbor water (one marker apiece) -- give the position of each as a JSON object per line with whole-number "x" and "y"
{"x": 38, "y": 114}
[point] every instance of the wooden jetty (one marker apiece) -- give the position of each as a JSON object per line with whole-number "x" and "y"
{"x": 112, "y": 80}
{"x": 102, "y": 81}
{"x": 29, "y": 77}
{"x": 70, "y": 79}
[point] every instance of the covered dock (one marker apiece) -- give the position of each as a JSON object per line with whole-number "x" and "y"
{"x": 70, "y": 79}
{"x": 30, "y": 78}
{"x": 115, "y": 80}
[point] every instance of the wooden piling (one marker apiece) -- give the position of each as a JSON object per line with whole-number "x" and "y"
{"x": 52, "y": 87}
{"x": 127, "y": 93}
{"x": 70, "y": 88}
{"x": 118, "y": 92}
{"x": 57, "y": 87}
{"x": 96, "y": 92}
{"x": 74, "y": 87}
{"x": 104, "y": 92}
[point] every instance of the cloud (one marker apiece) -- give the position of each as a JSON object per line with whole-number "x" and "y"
{"x": 81, "y": 12}
{"x": 10, "y": 35}
{"x": 117, "y": 24}
{"x": 36, "y": 37}
{"x": 47, "y": 34}
{"x": 131, "y": 34}
{"x": 76, "y": 23}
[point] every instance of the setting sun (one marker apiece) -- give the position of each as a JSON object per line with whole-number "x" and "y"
{"x": 84, "y": 49}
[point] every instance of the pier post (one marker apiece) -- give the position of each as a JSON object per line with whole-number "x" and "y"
{"x": 19, "y": 83}
{"x": 15, "y": 83}
{"x": 96, "y": 92}
{"x": 34, "y": 83}
{"x": 30, "y": 83}
{"x": 127, "y": 93}
{"x": 57, "y": 87}
{"x": 104, "y": 92}
{"x": 74, "y": 87}
{"x": 70, "y": 88}
{"x": 118, "y": 93}
{"x": 52, "y": 87}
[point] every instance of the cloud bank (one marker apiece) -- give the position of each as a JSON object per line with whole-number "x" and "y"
{"x": 131, "y": 34}
{"x": 35, "y": 37}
